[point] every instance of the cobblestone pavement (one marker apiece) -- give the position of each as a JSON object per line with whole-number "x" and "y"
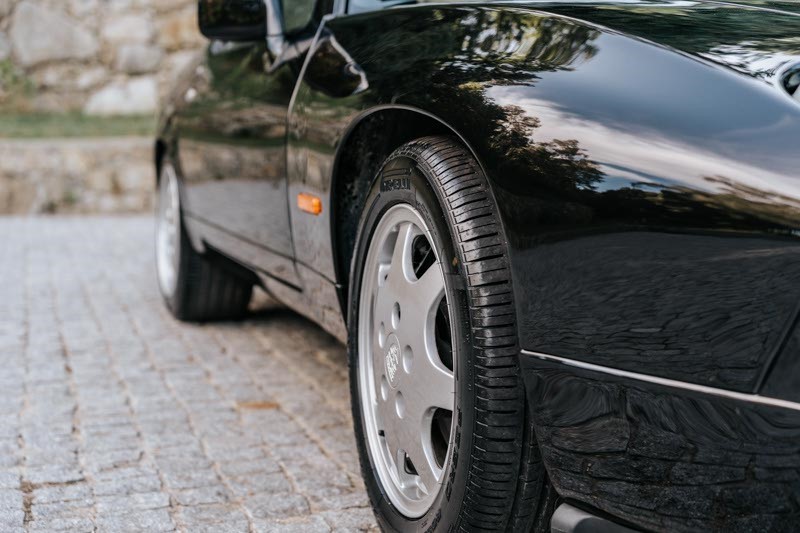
{"x": 115, "y": 417}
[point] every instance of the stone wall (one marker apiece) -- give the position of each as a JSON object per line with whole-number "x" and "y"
{"x": 111, "y": 175}
{"x": 98, "y": 57}
{"x": 104, "y": 57}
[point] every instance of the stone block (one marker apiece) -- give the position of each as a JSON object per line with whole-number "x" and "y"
{"x": 132, "y": 28}
{"x": 135, "y": 96}
{"x": 5, "y": 46}
{"x": 138, "y": 58}
{"x": 39, "y": 35}
{"x": 6, "y": 6}
{"x": 179, "y": 30}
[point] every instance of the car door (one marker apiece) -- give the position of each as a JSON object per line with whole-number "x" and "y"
{"x": 232, "y": 148}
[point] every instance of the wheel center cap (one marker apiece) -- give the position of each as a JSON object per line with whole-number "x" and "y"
{"x": 392, "y": 361}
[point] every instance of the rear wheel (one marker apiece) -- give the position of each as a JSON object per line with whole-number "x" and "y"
{"x": 193, "y": 287}
{"x": 438, "y": 404}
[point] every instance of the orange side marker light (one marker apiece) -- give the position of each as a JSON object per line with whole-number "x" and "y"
{"x": 309, "y": 203}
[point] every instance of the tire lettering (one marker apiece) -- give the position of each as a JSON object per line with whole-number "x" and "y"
{"x": 435, "y": 522}
{"x": 396, "y": 184}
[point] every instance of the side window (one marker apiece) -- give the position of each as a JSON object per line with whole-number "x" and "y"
{"x": 297, "y": 14}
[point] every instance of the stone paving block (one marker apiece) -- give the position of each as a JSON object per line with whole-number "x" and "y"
{"x": 280, "y": 505}
{"x": 304, "y": 524}
{"x": 193, "y": 449}
{"x": 259, "y": 465}
{"x": 10, "y": 500}
{"x": 9, "y": 453}
{"x": 62, "y": 493}
{"x": 359, "y": 519}
{"x": 117, "y": 418}
{"x": 228, "y": 527}
{"x": 109, "y": 460}
{"x": 13, "y": 519}
{"x": 221, "y": 447}
{"x": 338, "y": 500}
{"x": 134, "y": 502}
{"x": 143, "y": 470}
{"x": 269, "y": 483}
{"x": 225, "y": 513}
{"x": 71, "y": 509}
{"x": 150, "y": 520}
{"x": 190, "y": 479}
{"x": 72, "y": 525}
{"x": 9, "y": 479}
{"x": 201, "y": 496}
{"x": 127, "y": 486}
{"x": 54, "y": 474}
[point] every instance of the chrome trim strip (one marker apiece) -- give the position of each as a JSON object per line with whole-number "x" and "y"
{"x": 740, "y": 396}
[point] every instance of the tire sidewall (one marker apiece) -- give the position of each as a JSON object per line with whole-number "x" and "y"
{"x": 416, "y": 189}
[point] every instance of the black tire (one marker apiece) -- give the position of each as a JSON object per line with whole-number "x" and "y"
{"x": 204, "y": 289}
{"x": 495, "y": 479}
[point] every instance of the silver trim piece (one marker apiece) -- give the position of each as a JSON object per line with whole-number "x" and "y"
{"x": 569, "y": 519}
{"x": 740, "y": 396}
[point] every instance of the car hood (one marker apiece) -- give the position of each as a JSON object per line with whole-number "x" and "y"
{"x": 757, "y": 38}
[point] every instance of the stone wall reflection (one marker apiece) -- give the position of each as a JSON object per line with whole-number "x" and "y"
{"x": 667, "y": 461}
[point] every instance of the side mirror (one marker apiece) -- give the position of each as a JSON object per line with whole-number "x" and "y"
{"x": 245, "y": 20}
{"x": 255, "y": 20}
{"x": 233, "y": 20}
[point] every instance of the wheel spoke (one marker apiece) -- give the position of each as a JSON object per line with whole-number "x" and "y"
{"x": 433, "y": 383}
{"x": 439, "y": 386}
{"x": 383, "y": 273}
{"x": 428, "y": 472}
{"x": 430, "y": 386}
{"x": 401, "y": 255}
{"x": 429, "y": 289}
{"x": 408, "y": 435}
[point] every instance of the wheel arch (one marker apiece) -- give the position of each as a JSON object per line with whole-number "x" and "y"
{"x": 371, "y": 137}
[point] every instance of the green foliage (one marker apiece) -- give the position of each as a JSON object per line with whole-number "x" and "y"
{"x": 15, "y": 87}
{"x": 43, "y": 125}
{"x": 18, "y": 121}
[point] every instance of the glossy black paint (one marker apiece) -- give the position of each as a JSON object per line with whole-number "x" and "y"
{"x": 608, "y": 148}
{"x": 231, "y": 122}
{"x": 644, "y": 158}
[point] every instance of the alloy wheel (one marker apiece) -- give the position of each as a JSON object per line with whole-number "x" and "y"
{"x": 406, "y": 363}
{"x": 168, "y": 227}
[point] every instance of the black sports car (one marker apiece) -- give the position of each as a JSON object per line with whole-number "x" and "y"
{"x": 560, "y": 239}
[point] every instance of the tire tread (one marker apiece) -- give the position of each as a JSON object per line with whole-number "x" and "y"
{"x": 206, "y": 290}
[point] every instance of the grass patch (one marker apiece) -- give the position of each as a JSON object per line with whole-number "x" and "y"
{"x": 44, "y": 125}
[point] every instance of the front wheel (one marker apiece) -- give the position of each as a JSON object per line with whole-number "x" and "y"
{"x": 437, "y": 400}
